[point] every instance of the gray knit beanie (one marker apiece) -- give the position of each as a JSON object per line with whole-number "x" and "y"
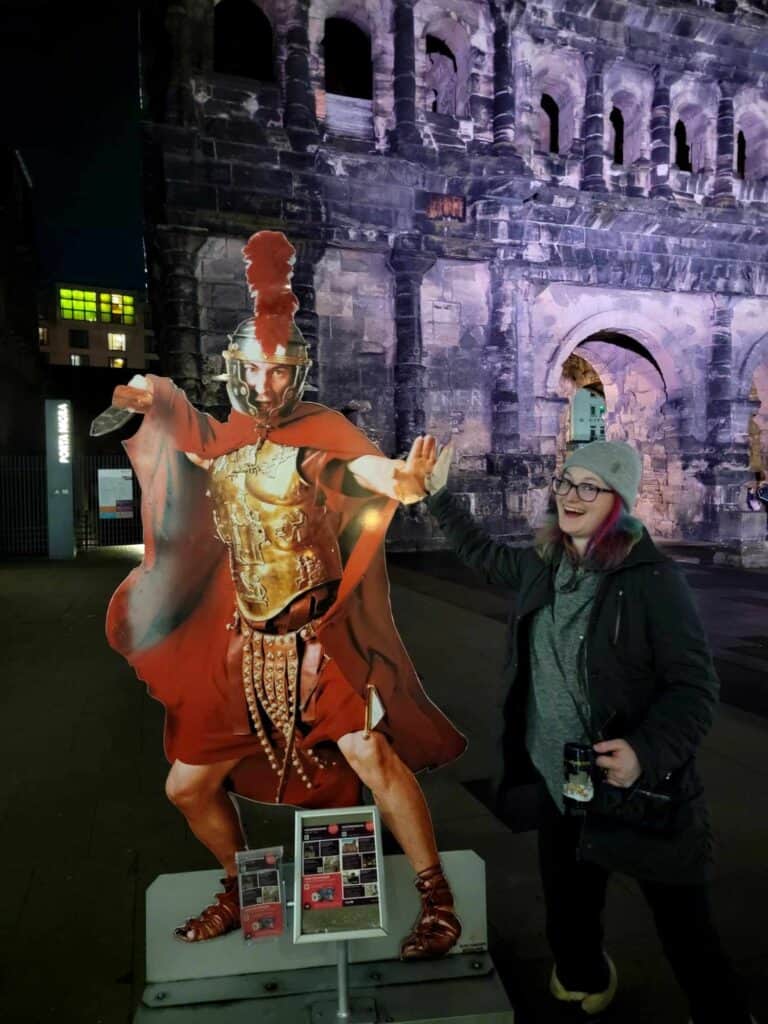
{"x": 617, "y": 463}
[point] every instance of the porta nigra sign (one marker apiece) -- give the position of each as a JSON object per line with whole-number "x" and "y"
{"x": 58, "y": 464}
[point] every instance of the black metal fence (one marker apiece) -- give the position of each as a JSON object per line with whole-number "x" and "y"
{"x": 24, "y": 507}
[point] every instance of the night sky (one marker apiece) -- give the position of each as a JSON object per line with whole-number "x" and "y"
{"x": 71, "y": 107}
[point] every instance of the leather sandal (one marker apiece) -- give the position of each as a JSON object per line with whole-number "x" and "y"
{"x": 437, "y": 929}
{"x": 217, "y": 919}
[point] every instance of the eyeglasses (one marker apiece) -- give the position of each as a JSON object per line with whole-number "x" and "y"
{"x": 587, "y": 492}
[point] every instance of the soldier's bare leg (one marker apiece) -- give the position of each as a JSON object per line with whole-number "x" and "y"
{"x": 404, "y": 811}
{"x": 397, "y": 793}
{"x": 198, "y": 792}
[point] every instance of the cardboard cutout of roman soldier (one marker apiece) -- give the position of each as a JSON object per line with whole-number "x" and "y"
{"x": 260, "y": 616}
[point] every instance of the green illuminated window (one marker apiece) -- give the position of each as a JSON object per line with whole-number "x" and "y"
{"x": 107, "y": 307}
{"x": 77, "y": 304}
{"x": 116, "y": 308}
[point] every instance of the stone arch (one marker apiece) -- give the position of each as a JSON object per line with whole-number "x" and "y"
{"x": 456, "y": 38}
{"x": 559, "y": 74}
{"x": 694, "y": 103}
{"x": 243, "y": 40}
{"x": 756, "y": 354}
{"x": 580, "y": 375}
{"x": 358, "y": 117}
{"x": 741, "y": 155}
{"x": 630, "y": 90}
{"x": 750, "y": 115}
{"x": 752, "y": 390}
{"x": 635, "y": 407}
{"x": 652, "y": 335}
{"x": 347, "y": 58}
{"x": 682, "y": 150}
{"x": 551, "y": 109}
{"x": 616, "y": 120}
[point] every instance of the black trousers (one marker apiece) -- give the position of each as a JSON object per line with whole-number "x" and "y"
{"x": 574, "y": 895}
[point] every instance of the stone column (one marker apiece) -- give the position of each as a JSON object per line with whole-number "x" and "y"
{"x": 727, "y": 449}
{"x": 308, "y": 255}
{"x": 505, "y": 427}
{"x": 592, "y": 177}
{"x": 299, "y": 116}
{"x": 178, "y": 304}
{"x": 409, "y": 265}
{"x": 188, "y": 27}
{"x": 719, "y": 375}
{"x": 661, "y": 133}
{"x": 723, "y": 191}
{"x": 406, "y": 133}
{"x": 506, "y": 14}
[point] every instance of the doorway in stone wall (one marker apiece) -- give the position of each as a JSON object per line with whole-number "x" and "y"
{"x": 758, "y": 422}
{"x": 616, "y": 391}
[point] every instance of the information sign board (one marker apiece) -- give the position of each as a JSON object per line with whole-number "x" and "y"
{"x": 115, "y": 494}
{"x": 339, "y": 878}
{"x": 261, "y": 892}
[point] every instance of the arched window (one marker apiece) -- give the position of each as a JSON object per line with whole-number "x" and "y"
{"x": 741, "y": 156}
{"x": 242, "y": 41}
{"x": 552, "y": 111}
{"x": 347, "y": 56}
{"x": 441, "y": 76}
{"x": 682, "y": 149}
{"x": 435, "y": 45}
{"x": 617, "y": 120}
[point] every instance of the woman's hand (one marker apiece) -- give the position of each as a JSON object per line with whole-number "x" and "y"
{"x": 619, "y": 763}
{"x": 424, "y": 471}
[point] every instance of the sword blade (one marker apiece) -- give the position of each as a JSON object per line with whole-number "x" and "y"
{"x": 109, "y": 420}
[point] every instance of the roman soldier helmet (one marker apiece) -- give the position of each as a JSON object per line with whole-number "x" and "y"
{"x": 270, "y": 335}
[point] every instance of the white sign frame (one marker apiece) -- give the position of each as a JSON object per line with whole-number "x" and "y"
{"x": 337, "y": 816}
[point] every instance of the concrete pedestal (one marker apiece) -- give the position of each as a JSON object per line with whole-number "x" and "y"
{"x": 742, "y": 539}
{"x": 230, "y": 981}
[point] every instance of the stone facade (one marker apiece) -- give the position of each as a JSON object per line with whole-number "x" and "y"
{"x": 528, "y": 183}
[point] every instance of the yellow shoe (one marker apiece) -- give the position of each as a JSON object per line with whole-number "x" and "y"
{"x": 591, "y": 1002}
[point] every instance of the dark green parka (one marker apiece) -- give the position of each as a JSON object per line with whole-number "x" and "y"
{"x": 648, "y": 674}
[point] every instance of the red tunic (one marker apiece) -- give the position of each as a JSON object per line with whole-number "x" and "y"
{"x": 169, "y": 618}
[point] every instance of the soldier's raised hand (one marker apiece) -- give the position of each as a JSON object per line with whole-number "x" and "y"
{"x": 424, "y": 471}
{"x": 136, "y": 395}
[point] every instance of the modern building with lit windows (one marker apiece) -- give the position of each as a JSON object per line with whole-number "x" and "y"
{"x": 95, "y": 326}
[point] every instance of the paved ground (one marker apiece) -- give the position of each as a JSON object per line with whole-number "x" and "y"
{"x": 85, "y": 825}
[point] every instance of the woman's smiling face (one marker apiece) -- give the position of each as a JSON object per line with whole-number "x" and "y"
{"x": 578, "y": 518}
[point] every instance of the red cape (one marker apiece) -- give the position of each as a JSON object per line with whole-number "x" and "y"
{"x": 169, "y": 617}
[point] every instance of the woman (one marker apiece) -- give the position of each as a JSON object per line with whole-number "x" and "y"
{"x": 606, "y": 649}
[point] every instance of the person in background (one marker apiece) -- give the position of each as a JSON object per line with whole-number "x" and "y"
{"x": 606, "y": 650}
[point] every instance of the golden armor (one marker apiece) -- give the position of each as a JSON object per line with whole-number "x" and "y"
{"x": 279, "y": 539}
{"x": 281, "y": 545}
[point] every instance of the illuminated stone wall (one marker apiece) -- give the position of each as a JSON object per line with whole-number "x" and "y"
{"x": 526, "y": 184}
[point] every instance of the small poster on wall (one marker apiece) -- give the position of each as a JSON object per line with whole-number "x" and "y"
{"x": 115, "y": 494}
{"x": 339, "y": 875}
